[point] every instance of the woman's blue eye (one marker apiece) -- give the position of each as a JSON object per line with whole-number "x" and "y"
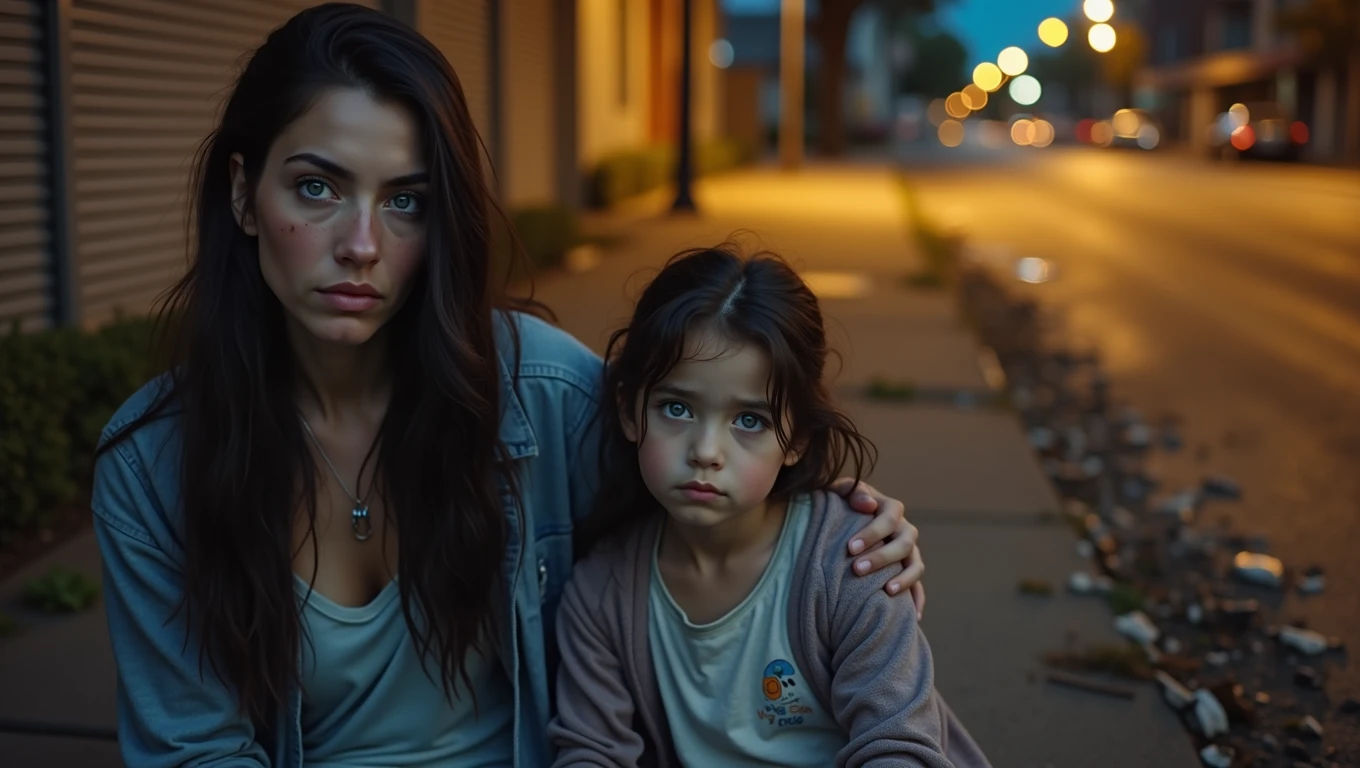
{"x": 750, "y": 421}
{"x": 407, "y": 203}
{"x": 313, "y": 189}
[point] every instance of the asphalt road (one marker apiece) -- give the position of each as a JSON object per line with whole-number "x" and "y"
{"x": 1227, "y": 294}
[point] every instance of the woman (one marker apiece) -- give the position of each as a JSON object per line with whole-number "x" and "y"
{"x": 336, "y": 531}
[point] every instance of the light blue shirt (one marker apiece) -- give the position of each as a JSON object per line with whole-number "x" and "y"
{"x": 370, "y": 699}
{"x": 172, "y": 711}
{"x": 730, "y": 690}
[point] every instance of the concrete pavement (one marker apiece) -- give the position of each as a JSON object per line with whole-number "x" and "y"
{"x": 969, "y": 478}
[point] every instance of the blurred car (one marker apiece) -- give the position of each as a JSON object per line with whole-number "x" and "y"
{"x": 1127, "y": 128}
{"x": 1258, "y": 130}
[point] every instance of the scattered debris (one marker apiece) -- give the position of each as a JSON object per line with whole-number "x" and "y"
{"x": 1350, "y": 706}
{"x": 1137, "y": 627}
{"x": 1314, "y": 581}
{"x": 1305, "y": 641}
{"x": 1222, "y": 488}
{"x": 1297, "y": 749}
{"x": 1209, "y": 714}
{"x": 1138, "y": 435}
{"x": 1238, "y": 615}
{"x": 1307, "y": 677}
{"x": 1085, "y": 549}
{"x": 1087, "y": 684}
{"x": 1194, "y": 613}
{"x": 1042, "y": 438}
{"x": 1118, "y": 660}
{"x": 1126, "y": 598}
{"x": 1034, "y": 586}
{"x": 1173, "y": 692}
{"x": 1181, "y": 505}
{"x": 1308, "y": 727}
{"x": 1261, "y": 698}
{"x": 1217, "y": 658}
{"x": 1218, "y": 756}
{"x": 1256, "y": 568}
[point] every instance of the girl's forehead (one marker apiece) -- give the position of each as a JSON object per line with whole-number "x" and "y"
{"x": 720, "y": 372}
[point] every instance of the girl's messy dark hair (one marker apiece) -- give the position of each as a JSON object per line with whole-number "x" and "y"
{"x": 245, "y": 466}
{"x": 758, "y": 300}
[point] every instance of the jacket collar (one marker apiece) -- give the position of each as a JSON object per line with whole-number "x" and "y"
{"x": 516, "y": 432}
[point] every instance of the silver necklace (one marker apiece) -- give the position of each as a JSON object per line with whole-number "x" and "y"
{"x": 359, "y": 520}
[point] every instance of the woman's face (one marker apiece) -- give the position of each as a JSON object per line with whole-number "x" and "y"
{"x": 339, "y": 215}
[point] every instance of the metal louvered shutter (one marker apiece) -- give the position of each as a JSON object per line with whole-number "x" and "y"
{"x": 25, "y": 255}
{"x": 461, "y": 29}
{"x": 529, "y": 123}
{"x": 147, "y": 80}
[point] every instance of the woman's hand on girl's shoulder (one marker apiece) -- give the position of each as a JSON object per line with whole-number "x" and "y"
{"x": 888, "y": 538}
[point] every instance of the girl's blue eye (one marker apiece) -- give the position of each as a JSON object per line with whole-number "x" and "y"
{"x": 750, "y": 422}
{"x": 407, "y": 203}
{"x": 675, "y": 410}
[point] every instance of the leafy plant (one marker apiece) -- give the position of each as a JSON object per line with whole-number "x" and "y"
{"x": 8, "y": 627}
{"x": 61, "y": 590}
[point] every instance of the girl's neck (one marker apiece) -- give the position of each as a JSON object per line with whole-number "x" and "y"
{"x": 714, "y": 549}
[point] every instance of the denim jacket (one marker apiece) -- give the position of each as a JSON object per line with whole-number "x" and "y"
{"x": 172, "y": 712}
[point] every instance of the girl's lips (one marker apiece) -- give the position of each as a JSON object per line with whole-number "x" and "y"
{"x": 695, "y": 494}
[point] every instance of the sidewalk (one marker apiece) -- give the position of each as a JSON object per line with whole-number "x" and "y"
{"x": 968, "y": 477}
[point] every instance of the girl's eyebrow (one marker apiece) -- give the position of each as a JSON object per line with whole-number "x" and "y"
{"x": 345, "y": 174}
{"x": 759, "y": 404}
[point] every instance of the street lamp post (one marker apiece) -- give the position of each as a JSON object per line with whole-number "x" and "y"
{"x": 791, "y": 28}
{"x": 684, "y": 168}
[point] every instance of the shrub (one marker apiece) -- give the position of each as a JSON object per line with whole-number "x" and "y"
{"x": 58, "y": 388}
{"x": 545, "y": 233}
{"x": 61, "y": 590}
{"x": 627, "y": 173}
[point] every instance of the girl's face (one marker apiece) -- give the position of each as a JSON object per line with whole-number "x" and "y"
{"x": 339, "y": 215}
{"x": 710, "y": 452}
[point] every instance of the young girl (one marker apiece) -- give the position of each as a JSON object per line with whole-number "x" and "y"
{"x": 716, "y": 623}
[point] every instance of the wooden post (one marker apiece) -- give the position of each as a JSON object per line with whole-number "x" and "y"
{"x": 792, "y": 24}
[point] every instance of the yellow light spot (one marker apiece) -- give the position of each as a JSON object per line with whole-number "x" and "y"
{"x": 1101, "y": 37}
{"x": 1126, "y": 123}
{"x": 973, "y": 97}
{"x": 1098, "y": 11}
{"x": 1102, "y": 133}
{"x": 987, "y": 76}
{"x": 1053, "y": 32}
{"x": 1239, "y": 115}
{"x": 1012, "y": 61}
{"x": 951, "y": 133}
{"x": 1043, "y": 134}
{"x": 1022, "y": 132}
{"x": 955, "y": 107}
{"x": 936, "y": 112}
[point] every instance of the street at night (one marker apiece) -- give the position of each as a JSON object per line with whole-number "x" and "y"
{"x": 1226, "y": 295}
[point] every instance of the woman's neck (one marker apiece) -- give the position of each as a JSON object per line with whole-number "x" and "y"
{"x": 338, "y": 382}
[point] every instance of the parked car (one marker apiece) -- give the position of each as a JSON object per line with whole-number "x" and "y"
{"x": 1260, "y": 130}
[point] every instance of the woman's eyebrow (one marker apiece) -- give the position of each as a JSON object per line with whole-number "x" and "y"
{"x": 345, "y": 174}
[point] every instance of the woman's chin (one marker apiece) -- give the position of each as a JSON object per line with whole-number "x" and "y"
{"x": 345, "y": 330}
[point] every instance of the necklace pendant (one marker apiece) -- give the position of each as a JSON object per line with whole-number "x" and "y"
{"x": 360, "y": 522}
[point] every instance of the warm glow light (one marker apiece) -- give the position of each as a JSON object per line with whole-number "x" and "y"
{"x": 1101, "y": 37}
{"x": 1239, "y": 115}
{"x": 1053, "y": 32}
{"x": 1149, "y": 136}
{"x": 974, "y": 97}
{"x": 935, "y": 112}
{"x": 951, "y": 133}
{"x": 987, "y": 76}
{"x": 1025, "y": 90}
{"x": 1298, "y": 132}
{"x": 1022, "y": 132}
{"x": 1126, "y": 123}
{"x": 955, "y": 107}
{"x": 1243, "y": 138}
{"x": 720, "y": 53}
{"x": 1102, "y": 133}
{"x": 1084, "y": 130}
{"x": 1098, "y": 11}
{"x": 1012, "y": 61}
{"x": 1043, "y": 134}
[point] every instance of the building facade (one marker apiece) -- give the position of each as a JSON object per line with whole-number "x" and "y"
{"x": 104, "y": 102}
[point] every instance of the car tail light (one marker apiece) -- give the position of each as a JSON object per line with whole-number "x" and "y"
{"x": 1298, "y": 132}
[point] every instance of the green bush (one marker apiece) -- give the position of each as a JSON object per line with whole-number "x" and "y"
{"x": 61, "y": 590}
{"x": 626, "y": 173}
{"x": 57, "y": 390}
{"x": 545, "y": 233}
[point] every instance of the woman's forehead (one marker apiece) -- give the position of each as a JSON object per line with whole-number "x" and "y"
{"x": 348, "y": 127}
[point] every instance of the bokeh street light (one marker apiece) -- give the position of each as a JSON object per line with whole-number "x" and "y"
{"x": 1012, "y": 61}
{"x": 987, "y": 76}
{"x": 973, "y": 97}
{"x": 955, "y": 106}
{"x": 951, "y": 133}
{"x": 1101, "y": 37}
{"x": 1025, "y": 90}
{"x": 1099, "y": 11}
{"x": 1022, "y": 132}
{"x": 1053, "y": 32}
{"x": 1043, "y": 134}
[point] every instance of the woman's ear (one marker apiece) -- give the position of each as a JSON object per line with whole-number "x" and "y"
{"x": 245, "y": 219}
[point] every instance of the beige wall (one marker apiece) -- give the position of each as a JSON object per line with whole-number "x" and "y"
{"x": 528, "y": 115}
{"x": 707, "y": 117}
{"x": 604, "y": 121}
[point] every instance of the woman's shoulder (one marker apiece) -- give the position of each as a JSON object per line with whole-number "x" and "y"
{"x": 137, "y": 471}
{"x": 533, "y": 347}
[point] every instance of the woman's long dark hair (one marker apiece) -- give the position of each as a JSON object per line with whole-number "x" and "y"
{"x": 245, "y": 465}
{"x": 758, "y": 300}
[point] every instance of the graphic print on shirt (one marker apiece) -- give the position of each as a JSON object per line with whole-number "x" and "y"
{"x": 784, "y": 705}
